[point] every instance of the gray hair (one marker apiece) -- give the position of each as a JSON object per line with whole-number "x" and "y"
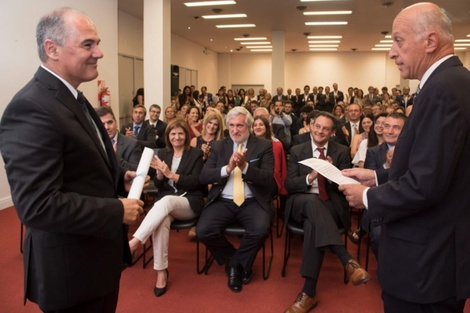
{"x": 52, "y": 26}
{"x": 237, "y": 111}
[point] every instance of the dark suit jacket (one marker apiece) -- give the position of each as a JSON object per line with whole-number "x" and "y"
{"x": 64, "y": 187}
{"x": 401, "y": 100}
{"x": 189, "y": 170}
{"x": 296, "y": 184}
{"x": 301, "y": 138}
{"x": 146, "y": 135}
{"x": 159, "y": 133}
{"x": 259, "y": 175}
{"x": 424, "y": 208}
{"x": 128, "y": 152}
{"x": 346, "y": 140}
{"x": 276, "y": 97}
{"x": 375, "y": 159}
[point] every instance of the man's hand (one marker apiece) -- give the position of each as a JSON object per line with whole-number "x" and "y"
{"x": 353, "y": 193}
{"x": 129, "y": 132}
{"x": 133, "y": 209}
{"x": 129, "y": 177}
{"x": 237, "y": 159}
{"x": 365, "y": 176}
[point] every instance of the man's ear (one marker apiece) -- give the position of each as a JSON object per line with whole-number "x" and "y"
{"x": 51, "y": 49}
{"x": 432, "y": 42}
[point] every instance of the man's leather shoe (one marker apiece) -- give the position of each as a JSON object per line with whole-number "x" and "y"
{"x": 235, "y": 278}
{"x": 303, "y": 304}
{"x": 246, "y": 276}
{"x": 357, "y": 275}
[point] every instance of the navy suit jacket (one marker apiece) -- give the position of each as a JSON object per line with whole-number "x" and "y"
{"x": 146, "y": 135}
{"x": 64, "y": 186}
{"x": 159, "y": 133}
{"x": 259, "y": 176}
{"x": 424, "y": 207}
{"x": 296, "y": 177}
{"x": 375, "y": 159}
{"x": 128, "y": 152}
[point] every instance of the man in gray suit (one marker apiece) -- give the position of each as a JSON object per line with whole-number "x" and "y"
{"x": 64, "y": 177}
{"x": 128, "y": 150}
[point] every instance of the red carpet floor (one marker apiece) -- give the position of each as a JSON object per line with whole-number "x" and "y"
{"x": 189, "y": 292}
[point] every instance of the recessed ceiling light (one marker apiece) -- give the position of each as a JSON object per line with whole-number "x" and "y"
{"x": 259, "y": 47}
{"x": 460, "y": 48}
{"x": 462, "y": 40}
{"x": 324, "y": 37}
{"x": 328, "y": 13}
{"x": 461, "y": 44}
{"x": 468, "y": 35}
{"x": 324, "y": 41}
{"x": 323, "y": 49}
{"x": 380, "y": 49}
{"x": 388, "y": 36}
{"x": 235, "y": 25}
{"x": 250, "y": 38}
{"x": 386, "y": 41}
{"x": 256, "y": 43}
{"x": 208, "y": 3}
{"x": 319, "y": 0}
{"x": 326, "y": 23}
{"x": 385, "y": 45}
{"x": 261, "y": 50}
{"x": 323, "y": 46}
{"x": 212, "y": 17}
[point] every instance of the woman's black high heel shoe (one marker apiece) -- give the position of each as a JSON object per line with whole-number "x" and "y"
{"x": 161, "y": 291}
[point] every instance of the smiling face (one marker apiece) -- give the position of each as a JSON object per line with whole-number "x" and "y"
{"x": 77, "y": 60}
{"x": 212, "y": 126}
{"x": 321, "y": 130}
{"x": 109, "y": 124}
{"x": 259, "y": 129}
{"x": 238, "y": 129}
{"x": 177, "y": 137}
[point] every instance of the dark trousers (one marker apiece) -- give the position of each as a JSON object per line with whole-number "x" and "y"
{"x": 320, "y": 221}
{"x": 105, "y": 304}
{"x": 395, "y": 305}
{"x": 220, "y": 214}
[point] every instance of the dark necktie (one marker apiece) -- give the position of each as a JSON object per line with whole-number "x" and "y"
{"x": 136, "y": 130}
{"x": 416, "y": 94}
{"x": 321, "y": 180}
{"x": 82, "y": 101}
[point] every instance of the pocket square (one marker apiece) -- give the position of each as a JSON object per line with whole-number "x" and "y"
{"x": 254, "y": 160}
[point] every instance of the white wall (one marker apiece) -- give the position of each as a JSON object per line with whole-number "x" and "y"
{"x": 19, "y": 60}
{"x": 130, "y": 35}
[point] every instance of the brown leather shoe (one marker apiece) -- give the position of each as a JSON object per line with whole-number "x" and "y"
{"x": 357, "y": 275}
{"x": 303, "y": 304}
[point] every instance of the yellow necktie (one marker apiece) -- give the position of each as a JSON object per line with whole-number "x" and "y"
{"x": 238, "y": 186}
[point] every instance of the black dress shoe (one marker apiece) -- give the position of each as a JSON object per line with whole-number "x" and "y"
{"x": 161, "y": 291}
{"x": 235, "y": 278}
{"x": 246, "y": 277}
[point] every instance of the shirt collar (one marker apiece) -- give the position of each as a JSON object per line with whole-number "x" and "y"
{"x": 431, "y": 69}
{"x": 66, "y": 83}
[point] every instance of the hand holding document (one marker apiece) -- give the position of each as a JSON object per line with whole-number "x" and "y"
{"x": 328, "y": 170}
{"x": 141, "y": 173}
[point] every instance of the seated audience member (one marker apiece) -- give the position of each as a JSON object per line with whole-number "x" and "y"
{"x": 158, "y": 125}
{"x": 317, "y": 204}
{"x": 366, "y": 123}
{"x": 139, "y": 97}
{"x": 353, "y": 126}
{"x": 180, "y": 196}
{"x": 194, "y": 122}
{"x": 283, "y": 121}
{"x": 138, "y": 130}
{"x": 240, "y": 169}
{"x": 170, "y": 114}
{"x": 338, "y": 112}
{"x": 305, "y": 137}
{"x": 212, "y": 130}
{"x": 262, "y": 129}
{"x": 373, "y": 139}
{"x": 289, "y": 110}
{"x": 304, "y": 111}
{"x": 128, "y": 150}
{"x": 277, "y": 130}
{"x": 379, "y": 159}
{"x": 183, "y": 112}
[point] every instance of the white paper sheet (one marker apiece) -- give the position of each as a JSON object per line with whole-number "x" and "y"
{"x": 328, "y": 170}
{"x": 141, "y": 173}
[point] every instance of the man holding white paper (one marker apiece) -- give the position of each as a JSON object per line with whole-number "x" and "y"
{"x": 320, "y": 208}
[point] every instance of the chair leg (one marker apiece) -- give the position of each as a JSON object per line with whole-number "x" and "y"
{"x": 279, "y": 218}
{"x": 286, "y": 252}
{"x": 21, "y": 237}
{"x": 208, "y": 259}
{"x": 267, "y": 269}
{"x": 367, "y": 252}
{"x": 146, "y": 248}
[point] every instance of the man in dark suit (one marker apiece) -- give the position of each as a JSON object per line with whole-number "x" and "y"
{"x": 158, "y": 125}
{"x": 256, "y": 162}
{"x": 336, "y": 94}
{"x": 64, "y": 176}
{"x": 406, "y": 98}
{"x": 424, "y": 206}
{"x": 128, "y": 150}
{"x": 279, "y": 95}
{"x": 145, "y": 134}
{"x": 353, "y": 126}
{"x": 320, "y": 208}
{"x": 297, "y": 101}
{"x": 379, "y": 159}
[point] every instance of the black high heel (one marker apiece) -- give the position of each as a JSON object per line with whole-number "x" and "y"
{"x": 161, "y": 291}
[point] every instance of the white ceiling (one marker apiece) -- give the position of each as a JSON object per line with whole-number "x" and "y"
{"x": 369, "y": 19}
